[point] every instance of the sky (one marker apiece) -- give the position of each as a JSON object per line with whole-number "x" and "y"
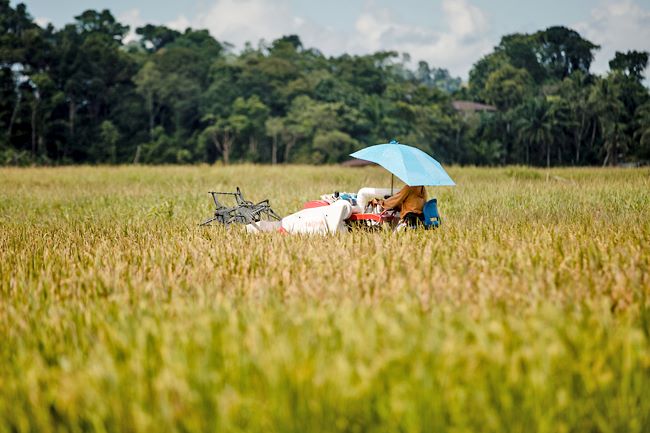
{"x": 451, "y": 34}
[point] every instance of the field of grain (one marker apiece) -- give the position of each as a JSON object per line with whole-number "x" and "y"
{"x": 528, "y": 311}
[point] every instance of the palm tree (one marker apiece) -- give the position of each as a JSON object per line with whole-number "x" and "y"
{"x": 608, "y": 108}
{"x": 615, "y": 140}
{"x": 575, "y": 91}
{"x": 642, "y": 133}
{"x": 535, "y": 126}
{"x": 562, "y": 124}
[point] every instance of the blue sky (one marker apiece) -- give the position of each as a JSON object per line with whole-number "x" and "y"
{"x": 446, "y": 33}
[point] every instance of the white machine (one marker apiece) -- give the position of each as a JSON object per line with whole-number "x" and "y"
{"x": 366, "y": 194}
{"x": 321, "y": 220}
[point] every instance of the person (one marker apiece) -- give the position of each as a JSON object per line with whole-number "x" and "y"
{"x": 409, "y": 201}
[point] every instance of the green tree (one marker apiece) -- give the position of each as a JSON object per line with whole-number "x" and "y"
{"x": 642, "y": 130}
{"x": 95, "y": 76}
{"x": 605, "y": 99}
{"x": 153, "y": 38}
{"x": 507, "y": 87}
{"x": 162, "y": 149}
{"x": 274, "y": 127}
{"x": 563, "y": 51}
{"x": 534, "y": 127}
{"x": 305, "y": 117}
{"x": 481, "y": 70}
{"x": 44, "y": 99}
{"x": 631, "y": 63}
{"x": 220, "y": 134}
{"x": 148, "y": 83}
{"x": 109, "y": 137}
{"x": 24, "y": 57}
{"x": 332, "y": 146}
{"x": 522, "y": 51}
{"x": 250, "y": 122}
{"x": 78, "y": 94}
{"x": 548, "y": 56}
{"x": 575, "y": 91}
{"x": 91, "y": 21}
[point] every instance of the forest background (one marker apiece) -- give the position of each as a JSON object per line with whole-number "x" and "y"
{"x": 82, "y": 94}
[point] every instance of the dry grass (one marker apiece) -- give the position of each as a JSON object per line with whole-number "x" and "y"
{"x": 527, "y": 311}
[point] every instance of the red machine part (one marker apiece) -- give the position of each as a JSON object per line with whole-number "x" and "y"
{"x": 366, "y": 217}
{"x": 315, "y": 203}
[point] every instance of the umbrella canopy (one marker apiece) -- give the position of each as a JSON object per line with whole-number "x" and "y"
{"x": 408, "y": 163}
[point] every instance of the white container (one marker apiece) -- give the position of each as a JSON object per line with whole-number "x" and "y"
{"x": 263, "y": 226}
{"x": 366, "y": 194}
{"x": 320, "y": 220}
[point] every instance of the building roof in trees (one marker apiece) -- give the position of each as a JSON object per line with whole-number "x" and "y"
{"x": 470, "y": 106}
{"x": 356, "y": 163}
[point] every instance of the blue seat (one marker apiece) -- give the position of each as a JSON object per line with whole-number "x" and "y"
{"x": 431, "y": 215}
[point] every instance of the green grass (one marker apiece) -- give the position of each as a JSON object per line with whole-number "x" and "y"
{"x": 529, "y": 310}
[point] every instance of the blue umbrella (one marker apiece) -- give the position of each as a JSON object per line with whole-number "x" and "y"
{"x": 408, "y": 163}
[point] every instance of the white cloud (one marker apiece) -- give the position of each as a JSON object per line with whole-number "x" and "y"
{"x": 240, "y": 21}
{"x": 465, "y": 19}
{"x": 180, "y": 24}
{"x": 616, "y": 26}
{"x": 457, "y": 46}
{"x": 42, "y": 21}
{"x": 133, "y": 19}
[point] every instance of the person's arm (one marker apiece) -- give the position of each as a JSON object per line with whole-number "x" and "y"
{"x": 395, "y": 200}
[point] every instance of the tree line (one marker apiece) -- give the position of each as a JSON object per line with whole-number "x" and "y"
{"x": 82, "y": 94}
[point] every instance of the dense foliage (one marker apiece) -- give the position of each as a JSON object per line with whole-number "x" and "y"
{"x": 82, "y": 94}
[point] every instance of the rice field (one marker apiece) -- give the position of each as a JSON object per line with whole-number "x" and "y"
{"x": 527, "y": 311}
